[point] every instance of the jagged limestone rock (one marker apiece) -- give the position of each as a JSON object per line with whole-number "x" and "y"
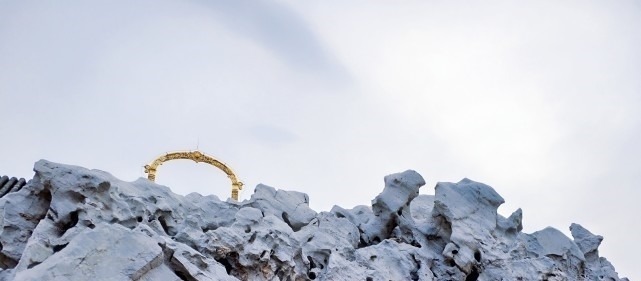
{"x": 586, "y": 241}
{"x": 112, "y": 246}
{"x": 70, "y": 223}
{"x": 291, "y": 206}
{"x": 470, "y": 209}
{"x": 21, "y": 212}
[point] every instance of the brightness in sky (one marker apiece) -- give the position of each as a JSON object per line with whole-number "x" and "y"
{"x": 539, "y": 99}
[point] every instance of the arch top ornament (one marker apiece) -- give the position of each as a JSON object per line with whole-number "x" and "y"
{"x": 197, "y": 157}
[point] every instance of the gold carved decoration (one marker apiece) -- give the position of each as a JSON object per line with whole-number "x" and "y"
{"x": 197, "y": 156}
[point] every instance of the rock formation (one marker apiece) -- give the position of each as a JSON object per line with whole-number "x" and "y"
{"x": 10, "y": 185}
{"x": 70, "y": 223}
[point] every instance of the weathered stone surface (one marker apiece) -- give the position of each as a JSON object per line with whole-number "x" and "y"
{"x": 21, "y": 213}
{"x": 589, "y": 243}
{"x": 470, "y": 209}
{"x": 586, "y": 241}
{"x": 392, "y": 205}
{"x": 115, "y": 252}
{"x": 70, "y": 223}
{"x": 291, "y": 206}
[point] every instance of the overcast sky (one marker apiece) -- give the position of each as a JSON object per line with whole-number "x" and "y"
{"x": 539, "y": 99}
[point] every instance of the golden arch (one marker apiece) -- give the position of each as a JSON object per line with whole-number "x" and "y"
{"x": 197, "y": 156}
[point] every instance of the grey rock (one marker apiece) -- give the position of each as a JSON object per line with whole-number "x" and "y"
{"x": 470, "y": 209}
{"x": 585, "y": 240}
{"x": 70, "y": 223}
{"x": 115, "y": 253}
{"x": 589, "y": 243}
{"x": 21, "y": 212}
{"x": 393, "y": 203}
{"x": 291, "y": 206}
{"x": 554, "y": 242}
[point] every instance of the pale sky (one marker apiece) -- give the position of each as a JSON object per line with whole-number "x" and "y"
{"x": 539, "y": 99}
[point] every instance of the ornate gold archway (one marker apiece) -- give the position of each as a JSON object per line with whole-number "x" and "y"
{"x": 197, "y": 156}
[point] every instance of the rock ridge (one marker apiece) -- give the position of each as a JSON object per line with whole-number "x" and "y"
{"x": 71, "y": 223}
